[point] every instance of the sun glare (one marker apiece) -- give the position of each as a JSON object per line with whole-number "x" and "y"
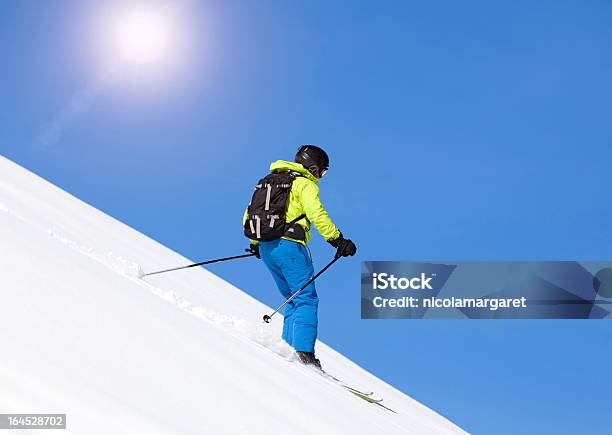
{"x": 142, "y": 36}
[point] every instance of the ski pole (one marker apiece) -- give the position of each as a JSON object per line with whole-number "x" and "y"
{"x": 267, "y": 317}
{"x": 200, "y": 263}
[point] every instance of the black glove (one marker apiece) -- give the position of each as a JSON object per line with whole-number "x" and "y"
{"x": 344, "y": 247}
{"x": 254, "y": 249}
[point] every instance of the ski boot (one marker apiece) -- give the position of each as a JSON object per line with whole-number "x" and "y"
{"x": 308, "y": 359}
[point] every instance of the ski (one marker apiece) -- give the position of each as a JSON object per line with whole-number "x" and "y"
{"x": 361, "y": 393}
{"x": 368, "y": 397}
{"x": 342, "y": 383}
{"x": 363, "y": 396}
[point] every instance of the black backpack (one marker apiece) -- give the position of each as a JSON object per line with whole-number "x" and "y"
{"x": 266, "y": 212}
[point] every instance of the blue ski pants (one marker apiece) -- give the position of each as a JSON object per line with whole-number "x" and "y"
{"x": 291, "y": 266}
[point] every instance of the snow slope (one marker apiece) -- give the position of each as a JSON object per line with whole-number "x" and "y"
{"x": 178, "y": 353}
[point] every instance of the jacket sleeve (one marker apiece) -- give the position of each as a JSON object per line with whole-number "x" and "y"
{"x": 315, "y": 212}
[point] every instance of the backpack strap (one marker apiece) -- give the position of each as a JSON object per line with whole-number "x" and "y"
{"x": 302, "y": 216}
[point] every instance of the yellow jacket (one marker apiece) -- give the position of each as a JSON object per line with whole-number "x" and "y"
{"x": 304, "y": 199}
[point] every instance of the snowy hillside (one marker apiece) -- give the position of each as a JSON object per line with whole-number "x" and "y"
{"x": 178, "y": 353}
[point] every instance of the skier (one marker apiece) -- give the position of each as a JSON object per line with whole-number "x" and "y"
{"x": 280, "y": 241}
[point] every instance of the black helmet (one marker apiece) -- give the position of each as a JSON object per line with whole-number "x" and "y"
{"x": 314, "y": 159}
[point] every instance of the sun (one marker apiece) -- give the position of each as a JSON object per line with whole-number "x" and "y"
{"x": 142, "y": 36}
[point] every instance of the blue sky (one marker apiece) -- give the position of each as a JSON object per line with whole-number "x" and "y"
{"x": 456, "y": 130}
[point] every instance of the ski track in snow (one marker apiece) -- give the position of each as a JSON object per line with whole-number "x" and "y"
{"x": 236, "y": 326}
{"x": 5, "y": 209}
